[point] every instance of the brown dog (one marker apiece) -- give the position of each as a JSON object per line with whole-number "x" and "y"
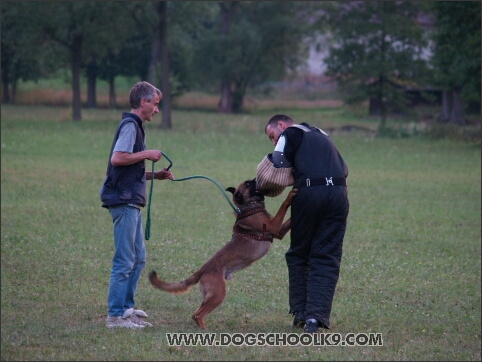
{"x": 253, "y": 233}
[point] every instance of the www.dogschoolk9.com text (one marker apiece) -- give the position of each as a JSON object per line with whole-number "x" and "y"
{"x": 275, "y": 339}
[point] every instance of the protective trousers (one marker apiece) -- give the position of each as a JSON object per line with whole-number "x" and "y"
{"x": 318, "y": 223}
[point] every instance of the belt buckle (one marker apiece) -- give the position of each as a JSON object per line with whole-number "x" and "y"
{"x": 308, "y": 182}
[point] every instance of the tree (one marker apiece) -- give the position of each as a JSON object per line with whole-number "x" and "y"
{"x": 73, "y": 25}
{"x": 119, "y": 51}
{"x": 247, "y": 43}
{"x": 165, "y": 67}
{"x": 376, "y": 45}
{"x": 227, "y": 12}
{"x": 26, "y": 54}
{"x": 152, "y": 18}
{"x": 457, "y": 58}
{"x": 129, "y": 60}
{"x": 176, "y": 22}
{"x": 131, "y": 44}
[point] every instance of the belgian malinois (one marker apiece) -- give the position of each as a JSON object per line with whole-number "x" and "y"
{"x": 253, "y": 233}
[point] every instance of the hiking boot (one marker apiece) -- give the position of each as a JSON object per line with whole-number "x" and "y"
{"x": 135, "y": 315}
{"x": 311, "y": 326}
{"x": 119, "y": 322}
{"x": 299, "y": 320}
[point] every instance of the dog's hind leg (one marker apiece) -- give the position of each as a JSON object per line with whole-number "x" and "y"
{"x": 213, "y": 291}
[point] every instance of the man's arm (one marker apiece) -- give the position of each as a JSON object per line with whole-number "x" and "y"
{"x": 126, "y": 158}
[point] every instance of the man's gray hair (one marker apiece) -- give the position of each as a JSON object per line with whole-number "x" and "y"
{"x": 142, "y": 90}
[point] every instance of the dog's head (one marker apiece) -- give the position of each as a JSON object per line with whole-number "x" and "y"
{"x": 246, "y": 192}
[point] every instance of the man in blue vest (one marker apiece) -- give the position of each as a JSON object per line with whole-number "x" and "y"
{"x": 123, "y": 193}
{"x": 319, "y": 215}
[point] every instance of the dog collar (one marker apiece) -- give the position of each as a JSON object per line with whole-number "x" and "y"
{"x": 256, "y": 237}
{"x": 250, "y": 212}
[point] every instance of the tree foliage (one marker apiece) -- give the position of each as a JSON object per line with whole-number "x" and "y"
{"x": 376, "y": 45}
{"x": 26, "y": 52}
{"x": 229, "y": 46}
{"x": 77, "y": 27}
{"x": 457, "y": 57}
{"x": 247, "y": 43}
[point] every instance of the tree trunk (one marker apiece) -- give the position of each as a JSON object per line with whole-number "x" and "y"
{"x": 452, "y": 108}
{"x": 446, "y": 106}
{"x": 91, "y": 85}
{"x": 165, "y": 67}
{"x": 457, "y": 112}
{"x": 382, "y": 89}
{"x": 5, "y": 90}
{"x": 383, "y": 105}
{"x": 226, "y": 98}
{"x": 112, "y": 98}
{"x": 238, "y": 97}
{"x": 75, "y": 68}
{"x": 152, "y": 76}
{"x": 14, "y": 90}
{"x": 225, "y": 103}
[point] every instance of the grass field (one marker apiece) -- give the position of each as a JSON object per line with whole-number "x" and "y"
{"x": 410, "y": 271}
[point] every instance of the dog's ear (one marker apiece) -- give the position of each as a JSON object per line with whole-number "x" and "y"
{"x": 231, "y": 189}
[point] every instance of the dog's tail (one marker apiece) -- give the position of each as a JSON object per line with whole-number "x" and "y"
{"x": 173, "y": 288}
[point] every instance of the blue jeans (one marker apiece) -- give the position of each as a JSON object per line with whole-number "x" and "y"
{"x": 128, "y": 260}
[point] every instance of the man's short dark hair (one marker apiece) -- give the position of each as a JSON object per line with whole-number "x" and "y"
{"x": 276, "y": 118}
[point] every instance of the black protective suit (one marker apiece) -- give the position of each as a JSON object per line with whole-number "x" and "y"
{"x": 318, "y": 219}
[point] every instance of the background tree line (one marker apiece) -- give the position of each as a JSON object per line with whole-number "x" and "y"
{"x": 230, "y": 46}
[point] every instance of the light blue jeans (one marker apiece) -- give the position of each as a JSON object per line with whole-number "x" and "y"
{"x": 128, "y": 260}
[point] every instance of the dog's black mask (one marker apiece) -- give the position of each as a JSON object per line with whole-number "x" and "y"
{"x": 250, "y": 185}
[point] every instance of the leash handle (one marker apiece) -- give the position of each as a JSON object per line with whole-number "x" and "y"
{"x": 167, "y": 158}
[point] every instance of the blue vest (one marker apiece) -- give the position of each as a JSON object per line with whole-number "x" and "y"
{"x": 126, "y": 184}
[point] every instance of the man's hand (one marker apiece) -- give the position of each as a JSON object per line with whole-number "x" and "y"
{"x": 163, "y": 174}
{"x": 153, "y": 155}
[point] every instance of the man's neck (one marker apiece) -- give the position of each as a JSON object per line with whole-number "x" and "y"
{"x": 137, "y": 113}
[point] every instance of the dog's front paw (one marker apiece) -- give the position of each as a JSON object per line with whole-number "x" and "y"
{"x": 291, "y": 195}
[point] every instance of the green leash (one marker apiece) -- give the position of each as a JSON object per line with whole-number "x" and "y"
{"x": 147, "y": 232}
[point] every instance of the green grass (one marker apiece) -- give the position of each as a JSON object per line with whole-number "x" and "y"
{"x": 410, "y": 270}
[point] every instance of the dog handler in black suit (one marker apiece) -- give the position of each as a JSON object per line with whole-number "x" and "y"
{"x": 319, "y": 215}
